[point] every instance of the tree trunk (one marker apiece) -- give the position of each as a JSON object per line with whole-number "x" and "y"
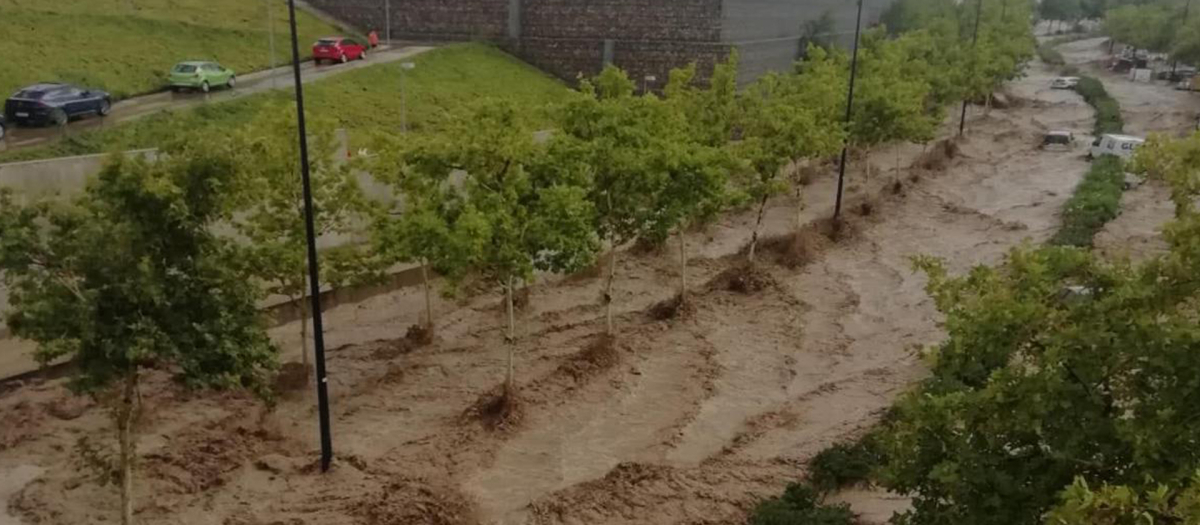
{"x": 762, "y": 208}
{"x": 867, "y": 158}
{"x": 799, "y": 209}
{"x": 509, "y": 378}
{"x": 987, "y": 105}
{"x": 128, "y": 442}
{"x": 897, "y": 165}
{"x": 608, "y": 288}
{"x": 682, "y": 266}
{"x": 428, "y": 297}
{"x": 304, "y": 329}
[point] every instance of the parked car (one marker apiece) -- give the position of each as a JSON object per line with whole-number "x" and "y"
{"x": 1065, "y": 83}
{"x": 1057, "y": 139}
{"x": 52, "y": 103}
{"x": 1120, "y": 145}
{"x": 200, "y": 75}
{"x": 1189, "y": 84}
{"x": 338, "y": 49}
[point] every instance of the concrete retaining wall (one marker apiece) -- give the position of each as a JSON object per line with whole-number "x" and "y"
{"x": 645, "y": 37}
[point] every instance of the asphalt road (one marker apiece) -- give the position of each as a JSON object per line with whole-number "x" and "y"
{"x": 249, "y": 84}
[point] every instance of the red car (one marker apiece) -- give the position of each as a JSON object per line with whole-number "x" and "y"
{"x": 338, "y": 49}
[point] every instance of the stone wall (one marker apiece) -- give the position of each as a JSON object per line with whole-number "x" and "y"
{"x": 424, "y": 20}
{"x": 644, "y": 37}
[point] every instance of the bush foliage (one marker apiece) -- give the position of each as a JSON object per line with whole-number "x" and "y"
{"x": 1096, "y": 201}
{"x": 800, "y": 505}
{"x": 1108, "y": 111}
{"x": 844, "y": 465}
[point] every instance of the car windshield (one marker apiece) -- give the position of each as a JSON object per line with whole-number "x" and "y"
{"x": 30, "y": 94}
{"x": 185, "y": 68}
{"x": 327, "y": 42}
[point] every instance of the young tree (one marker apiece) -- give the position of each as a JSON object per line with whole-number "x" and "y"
{"x": 695, "y": 155}
{"x": 128, "y": 278}
{"x": 430, "y": 223}
{"x": 536, "y": 212}
{"x": 272, "y": 220}
{"x": 781, "y": 122}
{"x": 892, "y": 102}
{"x": 612, "y": 135}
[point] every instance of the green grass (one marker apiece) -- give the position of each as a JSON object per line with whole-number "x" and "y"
{"x": 362, "y": 100}
{"x": 126, "y": 47}
{"x": 1096, "y": 201}
{"x": 1108, "y": 111}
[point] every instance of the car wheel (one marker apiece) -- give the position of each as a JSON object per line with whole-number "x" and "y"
{"x": 204, "y": 87}
{"x": 58, "y": 117}
{"x": 344, "y": 59}
{"x": 105, "y": 108}
{"x": 232, "y": 82}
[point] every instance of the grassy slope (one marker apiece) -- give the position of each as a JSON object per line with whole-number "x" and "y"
{"x": 360, "y": 100}
{"x": 127, "y": 46}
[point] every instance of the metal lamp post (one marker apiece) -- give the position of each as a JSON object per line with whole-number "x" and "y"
{"x": 837, "y": 208}
{"x": 313, "y": 268}
{"x": 962, "y": 122}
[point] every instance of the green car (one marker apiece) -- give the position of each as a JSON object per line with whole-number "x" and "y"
{"x": 200, "y": 75}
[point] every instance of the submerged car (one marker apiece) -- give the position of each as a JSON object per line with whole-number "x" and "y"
{"x": 338, "y": 49}
{"x": 200, "y": 75}
{"x": 1058, "y": 139}
{"x": 54, "y": 103}
{"x": 1065, "y": 83}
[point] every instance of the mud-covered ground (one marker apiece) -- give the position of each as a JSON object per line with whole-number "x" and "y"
{"x": 687, "y": 420}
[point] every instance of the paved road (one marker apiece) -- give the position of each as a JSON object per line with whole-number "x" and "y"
{"x": 133, "y": 108}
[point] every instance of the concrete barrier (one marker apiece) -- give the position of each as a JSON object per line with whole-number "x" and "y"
{"x": 65, "y": 176}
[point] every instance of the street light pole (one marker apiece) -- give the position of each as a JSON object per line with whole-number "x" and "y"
{"x": 837, "y": 208}
{"x": 387, "y": 14}
{"x": 313, "y": 270}
{"x": 962, "y": 122}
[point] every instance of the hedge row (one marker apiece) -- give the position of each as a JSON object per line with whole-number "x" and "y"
{"x": 1096, "y": 201}
{"x": 1050, "y": 55}
{"x": 1108, "y": 111}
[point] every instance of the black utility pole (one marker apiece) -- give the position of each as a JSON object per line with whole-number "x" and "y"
{"x": 962, "y": 121}
{"x": 313, "y": 280}
{"x": 837, "y": 208}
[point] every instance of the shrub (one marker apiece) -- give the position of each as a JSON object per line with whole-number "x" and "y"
{"x": 1050, "y": 55}
{"x": 844, "y": 464}
{"x": 1096, "y": 201}
{"x": 1108, "y": 111}
{"x": 800, "y": 505}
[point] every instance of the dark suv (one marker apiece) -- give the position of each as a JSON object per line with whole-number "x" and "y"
{"x": 45, "y": 104}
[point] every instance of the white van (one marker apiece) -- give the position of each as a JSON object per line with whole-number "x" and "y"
{"x": 1120, "y": 145}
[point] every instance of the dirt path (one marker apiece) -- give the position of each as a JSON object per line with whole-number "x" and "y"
{"x": 688, "y": 421}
